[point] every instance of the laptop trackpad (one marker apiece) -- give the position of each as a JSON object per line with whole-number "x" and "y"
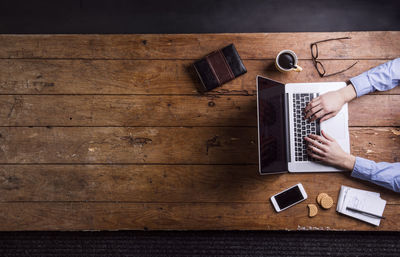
{"x": 335, "y": 127}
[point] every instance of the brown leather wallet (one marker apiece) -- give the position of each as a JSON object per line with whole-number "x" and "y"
{"x": 219, "y": 67}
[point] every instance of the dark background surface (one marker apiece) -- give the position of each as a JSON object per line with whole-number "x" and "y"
{"x": 207, "y": 16}
{"x": 200, "y": 243}
{"x": 162, "y": 16}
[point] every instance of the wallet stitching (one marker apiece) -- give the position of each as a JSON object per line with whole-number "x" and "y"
{"x": 212, "y": 69}
{"x": 232, "y": 76}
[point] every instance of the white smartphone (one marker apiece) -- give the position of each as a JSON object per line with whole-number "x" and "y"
{"x": 285, "y": 199}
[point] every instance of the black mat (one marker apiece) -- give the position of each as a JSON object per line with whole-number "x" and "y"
{"x": 196, "y": 16}
{"x": 201, "y": 243}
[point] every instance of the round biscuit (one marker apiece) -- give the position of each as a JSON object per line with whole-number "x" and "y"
{"x": 320, "y": 196}
{"x": 326, "y": 202}
{"x": 312, "y": 210}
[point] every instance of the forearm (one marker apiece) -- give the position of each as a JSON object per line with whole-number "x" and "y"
{"x": 348, "y": 93}
{"x": 383, "y": 77}
{"x": 383, "y": 173}
{"x": 349, "y": 162}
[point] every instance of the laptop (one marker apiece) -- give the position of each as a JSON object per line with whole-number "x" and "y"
{"x": 282, "y": 128}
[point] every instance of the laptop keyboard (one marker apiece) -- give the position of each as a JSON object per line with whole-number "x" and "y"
{"x": 303, "y": 127}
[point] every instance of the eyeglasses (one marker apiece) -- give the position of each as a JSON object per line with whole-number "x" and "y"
{"x": 318, "y": 65}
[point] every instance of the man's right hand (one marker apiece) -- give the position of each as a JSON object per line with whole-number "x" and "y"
{"x": 328, "y": 105}
{"x": 325, "y": 148}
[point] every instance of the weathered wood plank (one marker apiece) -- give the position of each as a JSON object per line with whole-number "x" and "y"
{"x": 385, "y": 110}
{"x": 167, "y": 145}
{"x": 180, "y": 216}
{"x": 164, "y": 183}
{"x": 158, "y": 77}
{"x": 128, "y": 145}
{"x": 372, "y": 45}
{"x": 128, "y": 110}
{"x": 370, "y": 143}
{"x": 89, "y": 110}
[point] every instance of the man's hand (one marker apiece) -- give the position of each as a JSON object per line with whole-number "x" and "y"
{"x": 326, "y": 149}
{"x": 328, "y": 105}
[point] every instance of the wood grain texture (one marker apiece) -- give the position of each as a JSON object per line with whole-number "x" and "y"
{"x": 163, "y": 183}
{"x": 166, "y": 145}
{"x": 199, "y": 216}
{"x": 150, "y": 77}
{"x": 363, "y": 45}
{"x": 141, "y": 110}
{"x": 128, "y": 110}
{"x": 385, "y": 110}
{"x": 108, "y": 132}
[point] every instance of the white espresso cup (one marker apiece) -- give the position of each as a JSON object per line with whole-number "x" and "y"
{"x": 287, "y": 60}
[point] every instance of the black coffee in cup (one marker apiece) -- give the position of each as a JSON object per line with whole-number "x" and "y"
{"x": 286, "y": 61}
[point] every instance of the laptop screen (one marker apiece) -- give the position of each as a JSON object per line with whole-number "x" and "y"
{"x": 271, "y": 126}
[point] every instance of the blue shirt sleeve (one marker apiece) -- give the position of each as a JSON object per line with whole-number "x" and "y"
{"x": 383, "y": 77}
{"x": 383, "y": 173}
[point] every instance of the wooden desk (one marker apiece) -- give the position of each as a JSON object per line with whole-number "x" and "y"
{"x": 108, "y": 132}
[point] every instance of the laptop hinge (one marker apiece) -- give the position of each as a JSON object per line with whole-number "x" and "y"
{"x": 287, "y": 128}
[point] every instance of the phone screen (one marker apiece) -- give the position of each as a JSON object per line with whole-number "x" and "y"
{"x": 289, "y": 197}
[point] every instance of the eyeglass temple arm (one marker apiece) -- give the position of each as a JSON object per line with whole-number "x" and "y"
{"x": 339, "y": 38}
{"x": 351, "y": 66}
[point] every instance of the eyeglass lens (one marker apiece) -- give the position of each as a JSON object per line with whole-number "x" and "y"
{"x": 320, "y": 68}
{"x": 314, "y": 51}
